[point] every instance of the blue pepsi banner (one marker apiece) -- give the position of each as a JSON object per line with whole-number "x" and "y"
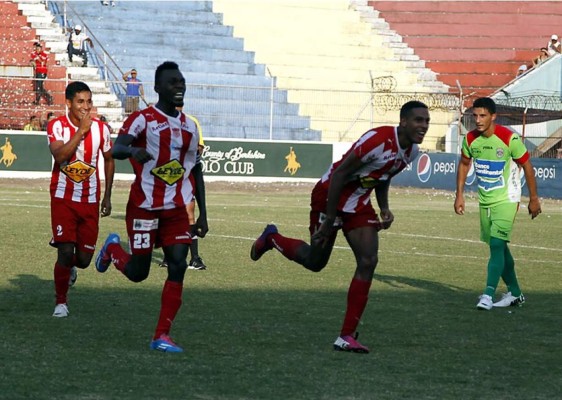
{"x": 439, "y": 171}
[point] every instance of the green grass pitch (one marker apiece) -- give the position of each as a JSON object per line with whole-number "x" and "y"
{"x": 265, "y": 330}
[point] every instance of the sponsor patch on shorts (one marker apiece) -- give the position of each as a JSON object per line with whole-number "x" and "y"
{"x": 145, "y": 225}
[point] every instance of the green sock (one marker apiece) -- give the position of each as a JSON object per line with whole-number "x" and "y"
{"x": 509, "y": 276}
{"x": 495, "y": 265}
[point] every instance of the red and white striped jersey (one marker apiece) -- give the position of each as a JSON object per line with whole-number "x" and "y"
{"x": 382, "y": 158}
{"x": 162, "y": 183}
{"x": 78, "y": 179}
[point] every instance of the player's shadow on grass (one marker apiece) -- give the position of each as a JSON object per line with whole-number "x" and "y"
{"x": 398, "y": 282}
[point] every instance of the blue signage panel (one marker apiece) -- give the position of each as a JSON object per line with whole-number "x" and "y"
{"x": 439, "y": 171}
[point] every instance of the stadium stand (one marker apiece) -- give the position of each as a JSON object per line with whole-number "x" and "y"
{"x": 480, "y": 44}
{"x": 17, "y": 35}
{"x": 334, "y": 64}
{"x": 227, "y": 90}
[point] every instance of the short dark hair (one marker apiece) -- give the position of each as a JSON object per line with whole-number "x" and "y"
{"x": 50, "y": 114}
{"x": 409, "y": 106}
{"x": 162, "y": 67}
{"x": 75, "y": 87}
{"x": 485, "y": 102}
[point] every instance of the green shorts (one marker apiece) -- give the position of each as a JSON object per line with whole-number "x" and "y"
{"x": 497, "y": 221}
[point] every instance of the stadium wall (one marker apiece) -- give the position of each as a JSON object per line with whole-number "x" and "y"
{"x": 25, "y": 155}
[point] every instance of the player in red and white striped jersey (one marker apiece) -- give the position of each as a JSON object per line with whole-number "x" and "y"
{"x": 342, "y": 200}
{"x": 161, "y": 144}
{"x": 76, "y": 141}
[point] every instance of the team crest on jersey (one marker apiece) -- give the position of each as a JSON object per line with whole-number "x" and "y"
{"x": 170, "y": 173}
{"x": 499, "y": 153}
{"x": 176, "y": 132}
{"x": 78, "y": 171}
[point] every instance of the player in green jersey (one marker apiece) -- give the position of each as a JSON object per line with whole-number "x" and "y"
{"x": 498, "y": 155}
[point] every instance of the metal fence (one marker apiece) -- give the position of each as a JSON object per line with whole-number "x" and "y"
{"x": 296, "y": 114}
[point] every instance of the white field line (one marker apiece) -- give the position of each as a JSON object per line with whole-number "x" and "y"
{"x": 558, "y": 250}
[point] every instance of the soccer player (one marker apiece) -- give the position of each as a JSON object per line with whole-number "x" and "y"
{"x": 161, "y": 143}
{"x": 75, "y": 141}
{"x": 196, "y": 262}
{"x": 341, "y": 200}
{"x": 498, "y": 155}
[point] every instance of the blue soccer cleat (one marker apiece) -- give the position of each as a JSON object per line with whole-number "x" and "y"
{"x": 103, "y": 260}
{"x": 166, "y": 344}
{"x": 260, "y": 246}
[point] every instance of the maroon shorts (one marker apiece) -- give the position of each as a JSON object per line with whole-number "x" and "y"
{"x": 364, "y": 216}
{"x": 73, "y": 222}
{"x": 148, "y": 229}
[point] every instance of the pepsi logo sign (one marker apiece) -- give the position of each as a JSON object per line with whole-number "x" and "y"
{"x": 424, "y": 168}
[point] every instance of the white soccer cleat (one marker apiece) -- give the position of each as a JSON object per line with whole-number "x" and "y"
{"x": 509, "y": 300}
{"x": 61, "y": 311}
{"x": 485, "y": 302}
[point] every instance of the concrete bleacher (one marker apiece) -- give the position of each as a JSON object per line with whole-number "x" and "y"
{"x": 17, "y": 36}
{"x": 227, "y": 90}
{"x": 480, "y": 44}
{"x": 326, "y": 55}
{"x": 25, "y": 22}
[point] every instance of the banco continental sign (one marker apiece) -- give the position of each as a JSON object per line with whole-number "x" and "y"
{"x": 8, "y": 155}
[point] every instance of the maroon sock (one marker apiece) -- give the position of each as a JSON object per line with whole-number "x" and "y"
{"x": 357, "y": 297}
{"x": 286, "y": 246}
{"x": 170, "y": 304}
{"x": 119, "y": 256}
{"x": 62, "y": 276}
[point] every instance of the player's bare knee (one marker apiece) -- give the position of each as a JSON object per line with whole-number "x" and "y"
{"x": 65, "y": 258}
{"x": 368, "y": 262}
{"x": 137, "y": 276}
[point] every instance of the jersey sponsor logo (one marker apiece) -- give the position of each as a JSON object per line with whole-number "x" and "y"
{"x": 161, "y": 126}
{"x": 424, "y": 168}
{"x": 489, "y": 174}
{"x": 170, "y": 172}
{"x": 78, "y": 171}
{"x": 145, "y": 225}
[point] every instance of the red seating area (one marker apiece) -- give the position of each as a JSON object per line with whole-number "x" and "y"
{"x": 479, "y": 43}
{"x": 16, "y": 94}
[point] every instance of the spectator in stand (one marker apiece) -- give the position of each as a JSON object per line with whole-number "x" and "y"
{"x": 77, "y": 44}
{"x": 45, "y": 123}
{"x": 553, "y": 46}
{"x": 104, "y": 120}
{"x": 134, "y": 92}
{"x": 38, "y": 59}
{"x": 542, "y": 57}
{"x": 33, "y": 124}
{"x": 522, "y": 69}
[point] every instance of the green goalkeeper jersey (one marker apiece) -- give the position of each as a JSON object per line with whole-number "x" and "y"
{"x": 496, "y": 164}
